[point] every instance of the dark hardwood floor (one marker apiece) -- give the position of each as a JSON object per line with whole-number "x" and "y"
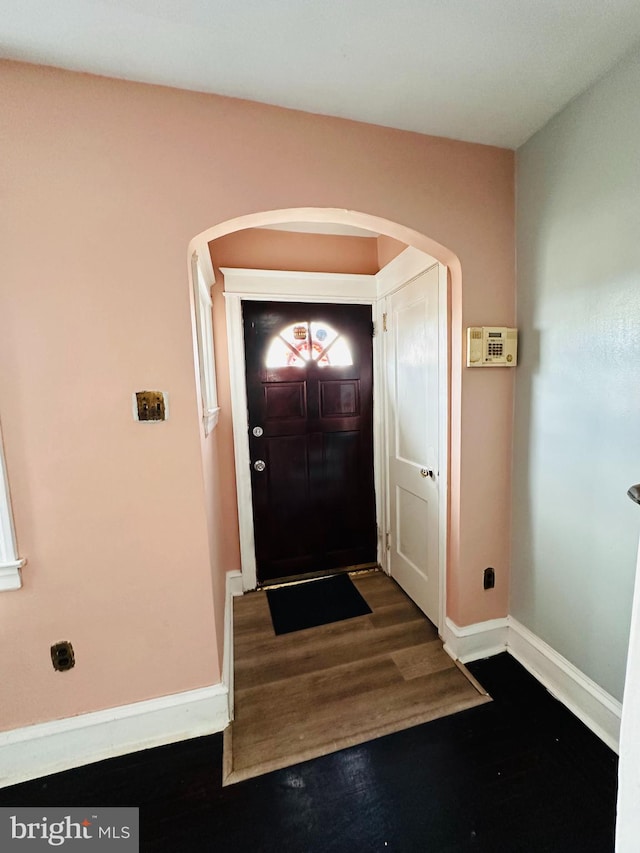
{"x": 517, "y": 774}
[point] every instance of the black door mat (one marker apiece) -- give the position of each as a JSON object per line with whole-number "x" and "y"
{"x": 313, "y": 603}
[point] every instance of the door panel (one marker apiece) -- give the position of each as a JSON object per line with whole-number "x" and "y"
{"x": 285, "y": 401}
{"x": 412, "y": 533}
{"x": 412, "y": 416}
{"x": 339, "y": 397}
{"x": 309, "y": 392}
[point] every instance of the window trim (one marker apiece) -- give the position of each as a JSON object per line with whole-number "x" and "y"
{"x": 206, "y": 354}
{"x": 10, "y": 563}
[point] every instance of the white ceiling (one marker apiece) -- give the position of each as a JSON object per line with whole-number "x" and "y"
{"x": 491, "y": 71}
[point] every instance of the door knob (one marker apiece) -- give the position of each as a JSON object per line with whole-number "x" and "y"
{"x": 259, "y": 465}
{"x": 257, "y": 431}
{"x": 427, "y": 472}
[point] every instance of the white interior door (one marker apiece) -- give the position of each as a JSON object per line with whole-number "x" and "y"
{"x": 411, "y": 355}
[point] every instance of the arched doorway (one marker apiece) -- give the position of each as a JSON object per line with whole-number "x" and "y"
{"x": 451, "y": 286}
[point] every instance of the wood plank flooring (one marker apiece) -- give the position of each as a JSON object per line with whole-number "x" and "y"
{"x": 520, "y": 774}
{"x": 309, "y": 693}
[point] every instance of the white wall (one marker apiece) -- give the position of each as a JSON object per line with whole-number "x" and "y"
{"x": 577, "y": 415}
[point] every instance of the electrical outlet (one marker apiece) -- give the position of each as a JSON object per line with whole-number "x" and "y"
{"x": 489, "y": 578}
{"x": 62, "y": 656}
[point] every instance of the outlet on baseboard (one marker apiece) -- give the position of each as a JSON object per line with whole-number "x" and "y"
{"x": 489, "y": 578}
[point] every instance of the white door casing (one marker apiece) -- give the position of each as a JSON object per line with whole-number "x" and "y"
{"x": 412, "y": 355}
{"x": 243, "y": 284}
{"x": 280, "y": 286}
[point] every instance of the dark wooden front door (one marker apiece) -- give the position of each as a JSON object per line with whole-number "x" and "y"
{"x": 309, "y": 389}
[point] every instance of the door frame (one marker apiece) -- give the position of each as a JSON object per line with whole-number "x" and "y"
{"x": 282, "y": 286}
{"x": 285, "y": 286}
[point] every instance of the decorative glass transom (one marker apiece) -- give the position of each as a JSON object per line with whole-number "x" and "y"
{"x": 300, "y": 343}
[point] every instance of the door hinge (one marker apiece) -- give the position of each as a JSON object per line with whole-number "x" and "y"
{"x": 373, "y": 329}
{"x": 384, "y": 322}
{"x": 387, "y": 540}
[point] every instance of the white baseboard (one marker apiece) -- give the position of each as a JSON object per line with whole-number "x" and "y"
{"x": 232, "y": 589}
{"x": 45, "y": 748}
{"x": 39, "y": 750}
{"x": 583, "y": 697}
{"x": 590, "y": 703}
{"x": 472, "y": 642}
{"x": 34, "y": 751}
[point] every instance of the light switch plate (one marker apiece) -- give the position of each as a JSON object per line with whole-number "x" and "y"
{"x": 150, "y": 406}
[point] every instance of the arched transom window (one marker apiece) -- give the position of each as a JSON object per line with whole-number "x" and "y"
{"x": 298, "y": 344}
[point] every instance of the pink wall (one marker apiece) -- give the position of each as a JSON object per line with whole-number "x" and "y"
{"x": 108, "y": 181}
{"x": 263, "y": 248}
{"x": 388, "y": 249}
